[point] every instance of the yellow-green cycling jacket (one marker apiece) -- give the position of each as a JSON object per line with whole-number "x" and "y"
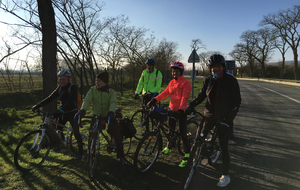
{"x": 103, "y": 100}
{"x": 149, "y": 82}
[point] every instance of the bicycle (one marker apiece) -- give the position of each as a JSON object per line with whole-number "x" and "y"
{"x": 94, "y": 141}
{"x": 33, "y": 149}
{"x": 138, "y": 117}
{"x": 150, "y": 145}
{"x": 205, "y": 146}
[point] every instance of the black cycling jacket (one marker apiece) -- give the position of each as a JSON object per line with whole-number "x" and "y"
{"x": 223, "y": 96}
{"x": 68, "y": 100}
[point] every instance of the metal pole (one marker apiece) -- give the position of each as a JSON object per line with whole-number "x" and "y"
{"x": 193, "y": 73}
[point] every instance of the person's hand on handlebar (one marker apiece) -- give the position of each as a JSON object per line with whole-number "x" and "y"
{"x": 136, "y": 96}
{"x": 151, "y": 103}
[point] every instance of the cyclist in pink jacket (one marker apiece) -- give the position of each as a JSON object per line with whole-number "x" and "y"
{"x": 179, "y": 90}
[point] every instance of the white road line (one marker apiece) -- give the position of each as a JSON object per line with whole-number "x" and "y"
{"x": 278, "y": 93}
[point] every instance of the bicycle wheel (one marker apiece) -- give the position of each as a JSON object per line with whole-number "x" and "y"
{"x": 32, "y": 150}
{"x": 194, "y": 160}
{"x": 92, "y": 154}
{"x": 126, "y": 145}
{"x": 192, "y": 127}
{"x": 147, "y": 152}
{"x": 137, "y": 120}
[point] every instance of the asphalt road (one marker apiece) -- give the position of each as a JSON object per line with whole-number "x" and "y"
{"x": 265, "y": 153}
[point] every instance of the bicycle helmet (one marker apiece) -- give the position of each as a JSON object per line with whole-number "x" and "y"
{"x": 216, "y": 59}
{"x": 150, "y": 61}
{"x": 64, "y": 73}
{"x": 177, "y": 65}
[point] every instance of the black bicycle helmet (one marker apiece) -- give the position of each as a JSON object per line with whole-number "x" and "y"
{"x": 216, "y": 59}
{"x": 150, "y": 61}
{"x": 64, "y": 73}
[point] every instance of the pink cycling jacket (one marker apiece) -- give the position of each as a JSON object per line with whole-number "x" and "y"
{"x": 179, "y": 90}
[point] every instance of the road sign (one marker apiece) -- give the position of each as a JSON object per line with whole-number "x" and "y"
{"x": 193, "y": 56}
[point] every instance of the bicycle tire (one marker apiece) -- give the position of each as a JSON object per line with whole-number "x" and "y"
{"x": 73, "y": 142}
{"x": 194, "y": 160}
{"x": 25, "y": 157}
{"x": 92, "y": 154}
{"x": 137, "y": 120}
{"x": 192, "y": 127}
{"x": 147, "y": 152}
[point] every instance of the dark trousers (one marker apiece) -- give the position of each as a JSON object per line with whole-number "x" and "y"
{"x": 114, "y": 131}
{"x": 172, "y": 119}
{"x": 224, "y": 133}
{"x": 70, "y": 117}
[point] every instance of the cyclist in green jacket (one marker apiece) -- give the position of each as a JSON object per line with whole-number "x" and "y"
{"x": 150, "y": 81}
{"x": 104, "y": 101}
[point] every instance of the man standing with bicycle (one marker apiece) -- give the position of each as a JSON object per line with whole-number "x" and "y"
{"x": 223, "y": 101}
{"x": 104, "y": 102}
{"x": 179, "y": 90}
{"x": 67, "y": 94}
{"x": 150, "y": 81}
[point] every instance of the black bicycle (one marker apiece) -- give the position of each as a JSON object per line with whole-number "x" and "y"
{"x": 138, "y": 117}
{"x": 205, "y": 146}
{"x": 94, "y": 141}
{"x": 151, "y": 144}
{"x": 34, "y": 148}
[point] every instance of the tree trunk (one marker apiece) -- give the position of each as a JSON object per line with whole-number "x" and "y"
{"x": 49, "y": 48}
{"x": 296, "y": 64}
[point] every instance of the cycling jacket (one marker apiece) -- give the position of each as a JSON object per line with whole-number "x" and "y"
{"x": 68, "y": 100}
{"x": 223, "y": 96}
{"x": 149, "y": 82}
{"x": 179, "y": 90}
{"x": 103, "y": 100}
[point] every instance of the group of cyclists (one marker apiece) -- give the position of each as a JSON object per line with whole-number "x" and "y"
{"x": 220, "y": 88}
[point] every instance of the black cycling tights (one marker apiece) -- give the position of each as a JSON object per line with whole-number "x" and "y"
{"x": 70, "y": 117}
{"x": 182, "y": 129}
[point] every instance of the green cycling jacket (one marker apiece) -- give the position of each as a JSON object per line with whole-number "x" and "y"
{"x": 102, "y": 101}
{"x": 149, "y": 82}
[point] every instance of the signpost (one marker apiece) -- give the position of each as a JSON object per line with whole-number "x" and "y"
{"x": 194, "y": 58}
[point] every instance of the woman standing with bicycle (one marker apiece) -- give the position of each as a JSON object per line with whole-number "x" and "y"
{"x": 67, "y": 94}
{"x": 179, "y": 90}
{"x": 223, "y": 101}
{"x": 104, "y": 102}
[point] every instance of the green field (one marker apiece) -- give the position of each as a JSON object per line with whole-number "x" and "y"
{"x": 61, "y": 171}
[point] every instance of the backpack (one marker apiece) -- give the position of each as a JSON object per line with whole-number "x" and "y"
{"x": 79, "y": 101}
{"x": 126, "y": 127}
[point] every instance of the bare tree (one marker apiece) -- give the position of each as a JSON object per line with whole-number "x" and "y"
{"x": 240, "y": 57}
{"x": 281, "y": 46}
{"x": 258, "y": 45}
{"x": 197, "y": 44}
{"x": 287, "y": 23}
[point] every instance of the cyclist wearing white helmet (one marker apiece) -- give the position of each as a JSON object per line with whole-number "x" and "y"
{"x": 179, "y": 90}
{"x": 223, "y": 101}
{"x": 67, "y": 94}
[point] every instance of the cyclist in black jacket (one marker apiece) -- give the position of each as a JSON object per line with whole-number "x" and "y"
{"x": 223, "y": 101}
{"x": 68, "y": 105}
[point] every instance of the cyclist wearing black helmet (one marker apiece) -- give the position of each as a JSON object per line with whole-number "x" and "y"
{"x": 67, "y": 94}
{"x": 223, "y": 101}
{"x": 150, "y": 81}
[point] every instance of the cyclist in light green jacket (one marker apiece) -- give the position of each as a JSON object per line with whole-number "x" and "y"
{"x": 150, "y": 81}
{"x": 104, "y": 100}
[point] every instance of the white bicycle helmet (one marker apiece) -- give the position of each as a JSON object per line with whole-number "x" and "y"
{"x": 64, "y": 73}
